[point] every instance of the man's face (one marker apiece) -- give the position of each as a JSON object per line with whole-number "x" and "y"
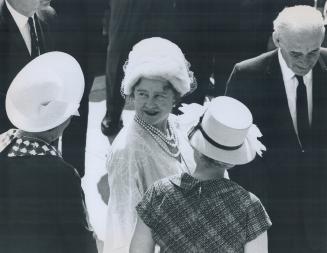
{"x": 26, "y": 7}
{"x": 300, "y": 49}
{"x": 44, "y": 3}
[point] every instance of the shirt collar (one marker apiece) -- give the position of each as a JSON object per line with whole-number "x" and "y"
{"x": 185, "y": 181}
{"x": 188, "y": 183}
{"x": 19, "y": 18}
{"x": 20, "y": 145}
{"x": 288, "y": 74}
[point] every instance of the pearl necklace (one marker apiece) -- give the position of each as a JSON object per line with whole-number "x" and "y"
{"x": 170, "y": 138}
{"x": 162, "y": 139}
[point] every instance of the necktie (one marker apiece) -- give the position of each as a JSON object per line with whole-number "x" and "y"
{"x": 302, "y": 115}
{"x": 34, "y": 40}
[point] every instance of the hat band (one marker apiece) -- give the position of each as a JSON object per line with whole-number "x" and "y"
{"x": 207, "y": 137}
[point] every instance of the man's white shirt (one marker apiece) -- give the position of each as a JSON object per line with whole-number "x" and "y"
{"x": 23, "y": 26}
{"x": 291, "y": 83}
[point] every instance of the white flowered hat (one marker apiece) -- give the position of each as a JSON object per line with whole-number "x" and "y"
{"x": 225, "y": 132}
{"x": 157, "y": 58}
{"x": 45, "y": 93}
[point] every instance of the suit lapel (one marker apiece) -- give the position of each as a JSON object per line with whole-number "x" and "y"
{"x": 16, "y": 39}
{"x": 41, "y": 35}
{"x": 319, "y": 101}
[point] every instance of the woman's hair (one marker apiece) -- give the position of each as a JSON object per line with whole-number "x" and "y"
{"x": 158, "y": 58}
{"x": 211, "y": 162}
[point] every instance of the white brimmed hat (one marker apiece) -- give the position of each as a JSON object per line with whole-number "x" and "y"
{"x": 45, "y": 93}
{"x": 157, "y": 58}
{"x": 225, "y": 132}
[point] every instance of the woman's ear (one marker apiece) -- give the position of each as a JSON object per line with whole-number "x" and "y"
{"x": 177, "y": 98}
{"x": 130, "y": 98}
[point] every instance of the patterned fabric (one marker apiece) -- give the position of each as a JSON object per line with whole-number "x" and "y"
{"x": 7, "y": 137}
{"x": 136, "y": 162}
{"x": 25, "y": 146}
{"x": 189, "y": 215}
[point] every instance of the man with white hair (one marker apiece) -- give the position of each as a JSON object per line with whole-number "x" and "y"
{"x": 287, "y": 93}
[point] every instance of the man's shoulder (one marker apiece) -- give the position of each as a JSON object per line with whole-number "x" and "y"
{"x": 258, "y": 63}
{"x": 323, "y": 59}
{"x": 323, "y": 54}
{"x": 323, "y": 51}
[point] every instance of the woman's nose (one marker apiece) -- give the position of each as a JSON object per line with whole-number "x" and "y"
{"x": 150, "y": 102}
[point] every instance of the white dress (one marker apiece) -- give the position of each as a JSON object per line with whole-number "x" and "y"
{"x": 136, "y": 162}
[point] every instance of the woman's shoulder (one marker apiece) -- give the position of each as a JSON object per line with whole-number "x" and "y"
{"x": 241, "y": 195}
{"x": 129, "y": 146}
{"x": 167, "y": 185}
{"x": 249, "y": 201}
{"x": 164, "y": 187}
{"x": 130, "y": 138}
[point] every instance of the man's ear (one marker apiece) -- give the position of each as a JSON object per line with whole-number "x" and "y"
{"x": 323, "y": 38}
{"x": 275, "y": 37}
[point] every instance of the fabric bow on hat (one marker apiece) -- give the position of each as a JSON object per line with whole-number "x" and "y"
{"x": 191, "y": 117}
{"x": 253, "y": 135}
{"x": 191, "y": 114}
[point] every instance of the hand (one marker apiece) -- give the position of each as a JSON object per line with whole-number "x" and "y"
{"x": 110, "y": 128}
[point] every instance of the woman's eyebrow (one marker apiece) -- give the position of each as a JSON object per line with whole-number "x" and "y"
{"x": 140, "y": 89}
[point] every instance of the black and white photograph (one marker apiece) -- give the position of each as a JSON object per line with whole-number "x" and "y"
{"x": 147, "y": 126}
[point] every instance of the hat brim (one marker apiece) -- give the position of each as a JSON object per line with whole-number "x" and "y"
{"x": 53, "y": 67}
{"x": 50, "y": 121}
{"x": 242, "y": 155}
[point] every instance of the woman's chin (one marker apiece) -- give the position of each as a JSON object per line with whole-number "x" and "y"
{"x": 150, "y": 120}
{"x": 154, "y": 120}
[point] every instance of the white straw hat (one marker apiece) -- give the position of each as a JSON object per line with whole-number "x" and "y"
{"x": 225, "y": 132}
{"x": 45, "y": 93}
{"x": 157, "y": 58}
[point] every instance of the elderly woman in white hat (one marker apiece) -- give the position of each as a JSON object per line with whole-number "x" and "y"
{"x": 205, "y": 212}
{"x": 42, "y": 206}
{"x": 150, "y": 147}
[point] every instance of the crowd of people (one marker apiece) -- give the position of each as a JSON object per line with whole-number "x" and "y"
{"x": 226, "y": 151}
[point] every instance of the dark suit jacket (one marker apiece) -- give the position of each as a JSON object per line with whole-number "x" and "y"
{"x": 14, "y": 55}
{"x": 78, "y": 31}
{"x": 41, "y": 207}
{"x": 290, "y": 183}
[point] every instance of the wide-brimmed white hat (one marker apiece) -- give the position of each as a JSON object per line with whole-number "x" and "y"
{"x": 157, "y": 58}
{"x": 45, "y": 93}
{"x": 225, "y": 132}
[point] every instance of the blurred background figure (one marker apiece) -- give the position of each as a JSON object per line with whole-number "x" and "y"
{"x": 78, "y": 31}
{"x": 207, "y": 31}
{"x": 24, "y": 34}
{"x": 41, "y": 199}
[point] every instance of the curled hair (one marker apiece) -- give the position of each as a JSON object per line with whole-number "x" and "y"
{"x": 193, "y": 84}
{"x": 158, "y": 58}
